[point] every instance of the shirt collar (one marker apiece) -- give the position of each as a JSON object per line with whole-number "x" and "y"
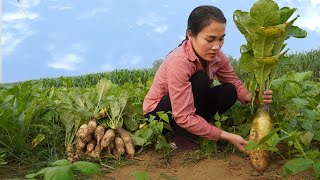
{"x": 187, "y": 44}
{"x": 189, "y": 51}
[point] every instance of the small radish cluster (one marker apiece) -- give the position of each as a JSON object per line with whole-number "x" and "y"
{"x": 97, "y": 141}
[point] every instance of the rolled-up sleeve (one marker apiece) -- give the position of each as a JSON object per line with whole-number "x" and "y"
{"x": 181, "y": 97}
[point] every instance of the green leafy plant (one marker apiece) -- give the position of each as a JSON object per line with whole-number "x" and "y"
{"x": 207, "y": 147}
{"x": 266, "y": 29}
{"x": 305, "y": 159}
{"x": 77, "y": 105}
{"x": 63, "y": 169}
{"x": 150, "y": 132}
{"x": 22, "y": 108}
{"x": 298, "y": 117}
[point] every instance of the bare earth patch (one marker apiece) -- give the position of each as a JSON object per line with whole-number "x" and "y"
{"x": 185, "y": 167}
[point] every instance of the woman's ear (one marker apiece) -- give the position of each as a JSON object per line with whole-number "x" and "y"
{"x": 189, "y": 34}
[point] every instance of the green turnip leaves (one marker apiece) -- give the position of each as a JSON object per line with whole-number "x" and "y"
{"x": 265, "y": 28}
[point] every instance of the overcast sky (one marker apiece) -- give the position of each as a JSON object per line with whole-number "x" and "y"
{"x": 52, "y": 38}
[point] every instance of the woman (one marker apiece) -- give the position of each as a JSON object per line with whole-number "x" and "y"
{"x": 183, "y": 81}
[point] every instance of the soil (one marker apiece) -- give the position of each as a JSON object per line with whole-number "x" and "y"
{"x": 184, "y": 165}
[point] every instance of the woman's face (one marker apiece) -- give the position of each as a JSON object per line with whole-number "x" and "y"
{"x": 209, "y": 40}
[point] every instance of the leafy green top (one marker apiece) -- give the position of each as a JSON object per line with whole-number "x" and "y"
{"x": 265, "y": 28}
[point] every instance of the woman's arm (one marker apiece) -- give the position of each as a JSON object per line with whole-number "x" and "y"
{"x": 234, "y": 139}
{"x": 179, "y": 72}
{"x": 226, "y": 73}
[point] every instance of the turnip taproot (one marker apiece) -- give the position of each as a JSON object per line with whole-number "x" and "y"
{"x": 80, "y": 147}
{"x": 70, "y": 153}
{"x": 108, "y": 137}
{"x": 91, "y": 145}
{"x": 92, "y": 154}
{"x": 92, "y": 125}
{"x": 80, "y": 132}
{"x": 97, "y": 150}
{"x": 125, "y": 136}
{"x": 119, "y": 144}
{"x": 86, "y": 130}
{"x": 111, "y": 147}
{"x": 87, "y": 138}
{"x": 261, "y": 126}
{"x": 99, "y": 132}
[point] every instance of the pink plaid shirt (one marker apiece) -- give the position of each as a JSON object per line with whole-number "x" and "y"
{"x": 173, "y": 77}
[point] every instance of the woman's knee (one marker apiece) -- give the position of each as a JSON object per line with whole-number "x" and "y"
{"x": 230, "y": 90}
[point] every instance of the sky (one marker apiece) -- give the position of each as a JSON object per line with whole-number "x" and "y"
{"x": 53, "y": 38}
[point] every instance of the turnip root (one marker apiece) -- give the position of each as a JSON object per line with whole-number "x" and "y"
{"x": 115, "y": 153}
{"x": 80, "y": 132}
{"x": 108, "y": 137}
{"x": 125, "y": 136}
{"x": 70, "y": 153}
{"x": 97, "y": 150}
{"x": 92, "y": 154}
{"x": 91, "y": 145}
{"x": 260, "y": 159}
{"x": 86, "y": 130}
{"x": 92, "y": 125}
{"x": 98, "y": 134}
{"x": 261, "y": 126}
{"x": 111, "y": 147}
{"x": 87, "y": 138}
{"x": 109, "y": 150}
{"x": 119, "y": 144}
{"x": 80, "y": 147}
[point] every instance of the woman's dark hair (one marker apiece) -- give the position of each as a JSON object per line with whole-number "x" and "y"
{"x": 202, "y": 16}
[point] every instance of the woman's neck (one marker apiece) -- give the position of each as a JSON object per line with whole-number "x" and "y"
{"x": 203, "y": 62}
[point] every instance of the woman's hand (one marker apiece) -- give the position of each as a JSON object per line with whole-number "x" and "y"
{"x": 234, "y": 139}
{"x": 267, "y": 97}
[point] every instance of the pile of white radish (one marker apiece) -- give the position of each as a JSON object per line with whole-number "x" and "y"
{"x": 97, "y": 141}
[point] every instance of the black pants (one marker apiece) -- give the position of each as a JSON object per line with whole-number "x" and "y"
{"x": 207, "y": 100}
